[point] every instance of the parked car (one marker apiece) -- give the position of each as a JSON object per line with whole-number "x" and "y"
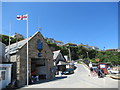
{"x": 113, "y": 72}
{"x": 116, "y": 76}
{"x": 66, "y": 72}
{"x": 69, "y": 71}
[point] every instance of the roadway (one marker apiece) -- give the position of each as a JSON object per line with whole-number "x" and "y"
{"x": 80, "y": 79}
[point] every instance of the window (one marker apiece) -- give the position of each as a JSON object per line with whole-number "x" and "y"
{"x": 39, "y": 45}
{"x": 3, "y": 75}
{"x": 2, "y": 68}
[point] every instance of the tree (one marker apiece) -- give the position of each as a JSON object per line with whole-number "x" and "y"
{"x": 74, "y": 55}
{"x": 109, "y": 56}
{"x": 64, "y": 50}
{"x": 82, "y": 52}
{"x": 5, "y": 39}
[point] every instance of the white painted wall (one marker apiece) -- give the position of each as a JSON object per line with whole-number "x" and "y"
{"x": 4, "y": 83}
{"x": 66, "y": 57}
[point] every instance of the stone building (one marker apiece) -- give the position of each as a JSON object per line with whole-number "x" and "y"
{"x": 2, "y": 52}
{"x": 40, "y": 59}
{"x": 16, "y": 35}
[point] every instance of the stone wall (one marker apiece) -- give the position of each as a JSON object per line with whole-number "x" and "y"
{"x": 33, "y": 53}
{"x": 2, "y": 52}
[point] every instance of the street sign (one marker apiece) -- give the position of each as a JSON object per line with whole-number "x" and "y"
{"x": 97, "y": 59}
{"x": 103, "y": 67}
{"x": 39, "y": 54}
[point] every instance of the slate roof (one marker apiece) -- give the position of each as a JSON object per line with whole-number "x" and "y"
{"x": 14, "y": 47}
{"x": 56, "y": 53}
{"x": 61, "y": 61}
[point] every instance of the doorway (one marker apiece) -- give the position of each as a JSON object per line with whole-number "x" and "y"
{"x": 5, "y": 75}
{"x": 38, "y": 68}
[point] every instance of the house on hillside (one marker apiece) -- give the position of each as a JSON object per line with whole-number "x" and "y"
{"x": 94, "y": 48}
{"x": 59, "y": 43}
{"x": 59, "y": 61}
{"x": 114, "y": 50}
{"x": 40, "y": 59}
{"x": 89, "y": 47}
{"x": 51, "y": 40}
{"x": 71, "y": 44}
{"x": 18, "y": 36}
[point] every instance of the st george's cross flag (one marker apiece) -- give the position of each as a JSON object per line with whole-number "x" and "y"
{"x": 22, "y": 17}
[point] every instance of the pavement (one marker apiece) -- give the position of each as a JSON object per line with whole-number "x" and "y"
{"x": 80, "y": 79}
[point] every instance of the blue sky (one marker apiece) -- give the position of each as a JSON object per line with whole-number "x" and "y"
{"x": 92, "y": 23}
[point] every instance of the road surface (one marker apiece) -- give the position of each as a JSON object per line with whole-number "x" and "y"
{"x": 80, "y": 79}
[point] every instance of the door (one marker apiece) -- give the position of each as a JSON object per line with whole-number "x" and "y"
{"x": 5, "y": 75}
{"x": 3, "y": 79}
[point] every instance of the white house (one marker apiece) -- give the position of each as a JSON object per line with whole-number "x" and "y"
{"x": 59, "y": 61}
{"x": 5, "y": 68}
{"x": 5, "y": 75}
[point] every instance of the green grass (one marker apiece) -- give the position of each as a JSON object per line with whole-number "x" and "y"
{"x": 79, "y": 62}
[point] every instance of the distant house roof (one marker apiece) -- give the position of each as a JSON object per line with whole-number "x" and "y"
{"x": 70, "y": 44}
{"x": 14, "y": 47}
{"x": 112, "y": 50}
{"x": 58, "y": 41}
{"x": 83, "y": 45}
{"x": 16, "y": 35}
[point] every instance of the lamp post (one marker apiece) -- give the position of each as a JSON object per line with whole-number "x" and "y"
{"x": 87, "y": 55}
{"x": 69, "y": 54}
{"x": 104, "y": 49}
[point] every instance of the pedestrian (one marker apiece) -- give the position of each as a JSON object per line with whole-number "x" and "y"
{"x": 100, "y": 73}
{"x": 108, "y": 68}
{"x": 60, "y": 73}
{"x": 91, "y": 71}
{"x": 91, "y": 68}
{"x": 94, "y": 71}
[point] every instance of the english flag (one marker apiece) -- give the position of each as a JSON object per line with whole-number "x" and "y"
{"x": 22, "y": 17}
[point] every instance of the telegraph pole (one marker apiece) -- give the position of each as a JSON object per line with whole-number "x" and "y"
{"x": 87, "y": 55}
{"x": 69, "y": 53}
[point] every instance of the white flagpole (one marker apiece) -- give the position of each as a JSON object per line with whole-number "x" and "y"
{"x": 9, "y": 39}
{"x": 27, "y": 53}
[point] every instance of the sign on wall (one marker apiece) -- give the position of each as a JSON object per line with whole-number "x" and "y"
{"x": 39, "y": 54}
{"x": 39, "y": 45}
{"x": 102, "y": 66}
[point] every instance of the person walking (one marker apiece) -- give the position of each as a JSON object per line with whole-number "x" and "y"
{"x": 100, "y": 73}
{"x": 91, "y": 69}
